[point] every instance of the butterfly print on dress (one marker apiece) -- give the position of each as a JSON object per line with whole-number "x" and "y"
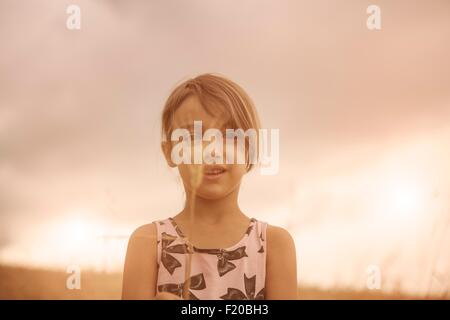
{"x": 197, "y": 283}
{"x": 223, "y": 264}
{"x": 223, "y": 256}
{"x": 250, "y": 227}
{"x": 261, "y": 250}
{"x": 169, "y": 261}
{"x": 177, "y": 229}
{"x": 236, "y": 294}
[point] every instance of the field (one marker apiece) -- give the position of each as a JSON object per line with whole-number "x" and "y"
{"x": 24, "y": 283}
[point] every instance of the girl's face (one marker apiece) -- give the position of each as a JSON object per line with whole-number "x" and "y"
{"x": 210, "y": 181}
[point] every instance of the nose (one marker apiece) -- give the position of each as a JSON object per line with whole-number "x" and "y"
{"x": 211, "y": 155}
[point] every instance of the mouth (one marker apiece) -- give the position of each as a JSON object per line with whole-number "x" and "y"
{"x": 214, "y": 172}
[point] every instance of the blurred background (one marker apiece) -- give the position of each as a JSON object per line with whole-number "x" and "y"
{"x": 364, "y": 119}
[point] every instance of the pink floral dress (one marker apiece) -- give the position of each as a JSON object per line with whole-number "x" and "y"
{"x": 234, "y": 273}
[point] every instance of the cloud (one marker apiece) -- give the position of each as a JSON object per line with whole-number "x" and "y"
{"x": 79, "y": 110}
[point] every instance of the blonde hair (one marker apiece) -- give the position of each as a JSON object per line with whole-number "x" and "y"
{"x": 213, "y": 91}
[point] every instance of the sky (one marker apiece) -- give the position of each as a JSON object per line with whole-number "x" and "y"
{"x": 363, "y": 118}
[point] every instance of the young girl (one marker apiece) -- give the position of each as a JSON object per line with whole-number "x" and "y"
{"x": 211, "y": 249}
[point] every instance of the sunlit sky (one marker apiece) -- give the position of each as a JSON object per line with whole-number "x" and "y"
{"x": 364, "y": 119}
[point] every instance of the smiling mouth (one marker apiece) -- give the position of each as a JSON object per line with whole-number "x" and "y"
{"x": 214, "y": 172}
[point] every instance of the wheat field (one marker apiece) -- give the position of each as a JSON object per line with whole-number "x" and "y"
{"x": 27, "y": 283}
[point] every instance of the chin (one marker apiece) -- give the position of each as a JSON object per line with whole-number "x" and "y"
{"x": 213, "y": 192}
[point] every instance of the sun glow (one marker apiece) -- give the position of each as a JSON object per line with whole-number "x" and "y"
{"x": 75, "y": 238}
{"x": 404, "y": 199}
{"x": 76, "y": 233}
{"x": 406, "y": 181}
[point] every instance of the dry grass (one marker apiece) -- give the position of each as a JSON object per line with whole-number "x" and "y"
{"x": 24, "y": 283}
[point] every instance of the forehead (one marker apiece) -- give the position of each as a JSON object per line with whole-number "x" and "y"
{"x": 192, "y": 110}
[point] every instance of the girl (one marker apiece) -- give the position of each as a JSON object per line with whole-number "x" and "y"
{"x": 211, "y": 249}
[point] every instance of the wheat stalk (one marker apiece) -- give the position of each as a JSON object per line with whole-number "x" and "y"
{"x": 196, "y": 178}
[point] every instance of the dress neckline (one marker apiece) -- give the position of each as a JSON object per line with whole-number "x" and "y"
{"x": 180, "y": 233}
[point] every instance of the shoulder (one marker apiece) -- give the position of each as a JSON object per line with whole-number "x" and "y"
{"x": 279, "y": 242}
{"x": 146, "y": 231}
{"x": 140, "y": 269}
{"x": 278, "y": 237}
{"x": 281, "y": 266}
{"x": 143, "y": 239}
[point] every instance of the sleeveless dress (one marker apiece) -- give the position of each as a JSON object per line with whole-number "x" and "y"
{"x": 234, "y": 273}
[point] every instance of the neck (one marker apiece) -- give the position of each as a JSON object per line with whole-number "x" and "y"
{"x": 212, "y": 211}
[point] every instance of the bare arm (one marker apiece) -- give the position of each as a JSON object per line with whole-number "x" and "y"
{"x": 281, "y": 265}
{"x": 140, "y": 270}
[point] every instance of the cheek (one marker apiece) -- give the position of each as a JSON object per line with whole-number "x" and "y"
{"x": 237, "y": 171}
{"x": 183, "y": 170}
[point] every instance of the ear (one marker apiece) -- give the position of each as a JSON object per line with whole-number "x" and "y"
{"x": 166, "y": 147}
